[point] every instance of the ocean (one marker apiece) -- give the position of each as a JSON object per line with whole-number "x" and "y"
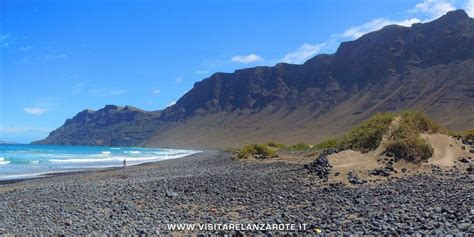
{"x": 25, "y": 161}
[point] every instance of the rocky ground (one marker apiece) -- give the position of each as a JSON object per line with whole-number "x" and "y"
{"x": 212, "y": 188}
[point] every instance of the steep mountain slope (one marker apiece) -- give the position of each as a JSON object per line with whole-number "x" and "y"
{"x": 326, "y": 80}
{"x": 111, "y": 125}
{"x": 428, "y": 66}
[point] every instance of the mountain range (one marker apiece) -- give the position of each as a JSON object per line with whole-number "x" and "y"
{"x": 428, "y": 67}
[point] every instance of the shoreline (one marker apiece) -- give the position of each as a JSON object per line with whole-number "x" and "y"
{"x": 72, "y": 172}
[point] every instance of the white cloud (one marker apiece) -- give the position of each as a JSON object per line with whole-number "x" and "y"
{"x": 34, "y": 111}
{"x": 251, "y": 58}
{"x": 25, "y": 48}
{"x": 376, "y": 24}
{"x": 156, "y": 92}
{"x": 303, "y": 53}
{"x": 6, "y": 40}
{"x": 171, "y": 103}
{"x": 469, "y": 7}
{"x": 22, "y": 129}
{"x": 434, "y": 8}
{"x": 426, "y": 10}
{"x": 179, "y": 80}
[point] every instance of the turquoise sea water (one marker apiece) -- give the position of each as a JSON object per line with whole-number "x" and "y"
{"x": 23, "y": 161}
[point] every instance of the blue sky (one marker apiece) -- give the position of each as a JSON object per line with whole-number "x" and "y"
{"x": 60, "y": 57}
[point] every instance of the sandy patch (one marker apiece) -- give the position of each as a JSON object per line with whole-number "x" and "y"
{"x": 447, "y": 150}
{"x": 350, "y": 160}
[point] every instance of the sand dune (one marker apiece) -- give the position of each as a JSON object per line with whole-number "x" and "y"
{"x": 447, "y": 150}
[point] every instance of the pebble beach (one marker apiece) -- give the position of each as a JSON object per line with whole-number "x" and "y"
{"x": 210, "y": 187}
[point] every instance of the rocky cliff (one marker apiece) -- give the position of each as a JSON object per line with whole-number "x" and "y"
{"x": 428, "y": 67}
{"x": 111, "y": 125}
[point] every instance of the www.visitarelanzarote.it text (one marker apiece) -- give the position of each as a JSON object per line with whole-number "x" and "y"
{"x": 236, "y": 227}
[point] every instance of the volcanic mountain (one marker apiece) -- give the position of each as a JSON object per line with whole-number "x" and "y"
{"x": 427, "y": 67}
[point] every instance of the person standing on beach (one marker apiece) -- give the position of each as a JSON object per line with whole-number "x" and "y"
{"x": 124, "y": 163}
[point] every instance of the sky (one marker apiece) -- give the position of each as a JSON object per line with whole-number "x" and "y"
{"x": 58, "y": 57}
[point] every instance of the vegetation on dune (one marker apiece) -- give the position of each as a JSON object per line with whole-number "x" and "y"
{"x": 267, "y": 150}
{"x": 275, "y": 145}
{"x": 326, "y": 144}
{"x": 369, "y": 134}
{"x": 455, "y": 134}
{"x": 465, "y": 135}
{"x": 412, "y": 148}
{"x": 405, "y": 130}
{"x": 418, "y": 122}
{"x": 299, "y": 147}
{"x": 406, "y": 142}
{"x": 258, "y": 151}
{"x": 468, "y": 135}
{"x": 402, "y": 130}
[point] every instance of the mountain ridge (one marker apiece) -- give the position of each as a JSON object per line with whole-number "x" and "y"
{"x": 111, "y": 125}
{"x": 428, "y": 67}
{"x": 328, "y": 71}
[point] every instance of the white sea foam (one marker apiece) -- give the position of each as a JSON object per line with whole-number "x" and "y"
{"x": 32, "y": 175}
{"x": 3, "y": 161}
{"x": 134, "y": 152}
{"x": 20, "y": 176}
{"x": 102, "y": 154}
{"x": 58, "y": 156}
{"x": 41, "y": 161}
{"x": 111, "y": 159}
{"x": 115, "y": 159}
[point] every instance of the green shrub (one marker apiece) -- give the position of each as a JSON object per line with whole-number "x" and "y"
{"x": 468, "y": 135}
{"x": 275, "y": 145}
{"x": 413, "y": 148}
{"x": 368, "y": 136}
{"x": 455, "y": 134}
{"x": 418, "y": 122}
{"x": 329, "y": 143}
{"x": 259, "y": 151}
{"x": 406, "y": 142}
{"x": 299, "y": 147}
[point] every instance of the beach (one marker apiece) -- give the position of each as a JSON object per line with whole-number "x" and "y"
{"x": 210, "y": 187}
